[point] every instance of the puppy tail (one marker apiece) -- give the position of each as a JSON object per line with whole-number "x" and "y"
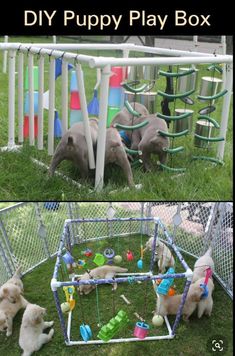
{"x": 120, "y": 269}
{"x": 209, "y": 251}
{"x": 26, "y": 353}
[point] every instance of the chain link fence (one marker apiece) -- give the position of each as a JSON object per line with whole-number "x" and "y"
{"x": 30, "y": 232}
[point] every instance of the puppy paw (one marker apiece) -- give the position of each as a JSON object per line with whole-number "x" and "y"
{"x": 9, "y": 333}
{"x": 51, "y": 333}
{"x": 51, "y": 323}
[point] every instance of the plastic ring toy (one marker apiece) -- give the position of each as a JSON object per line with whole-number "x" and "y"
{"x": 109, "y": 253}
{"x": 85, "y": 332}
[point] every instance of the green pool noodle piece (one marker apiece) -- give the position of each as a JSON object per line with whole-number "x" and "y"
{"x": 171, "y": 169}
{"x": 113, "y": 326}
{"x": 175, "y": 96}
{"x": 99, "y": 259}
{"x": 130, "y": 128}
{"x": 176, "y": 74}
{"x": 205, "y": 158}
{"x": 174, "y": 117}
{"x": 130, "y": 109}
{"x": 213, "y": 97}
{"x": 173, "y": 150}
{"x": 133, "y": 152}
{"x": 137, "y": 163}
{"x": 35, "y": 78}
{"x": 209, "y": 139}
{"x": 134, "y": 90}
{"x": 173, "y": 135}
{"x": 215, "y": 67}
{"x": 208, "y": 118}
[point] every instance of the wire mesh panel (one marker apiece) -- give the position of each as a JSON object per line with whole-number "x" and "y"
{"x": 222, "y": 243}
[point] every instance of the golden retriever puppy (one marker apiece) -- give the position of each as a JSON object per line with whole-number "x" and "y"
{"x": 103, "y": 272}
{"x": 206, "y": 304}
{"x": 31, "y": 331}
{"x": 15, "y": 280}
{"x": 11, "y": 303}
{"x": 162, "y": 254}
{"x": 202, "y": 264}
{"x": 167, "y": 305}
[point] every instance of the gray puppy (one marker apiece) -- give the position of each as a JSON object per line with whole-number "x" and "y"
{"x": 115, "y": 153}
{"x": 148, "y": 139}
{"x": 124, "y": 117}
{"x": 73, "y": 147}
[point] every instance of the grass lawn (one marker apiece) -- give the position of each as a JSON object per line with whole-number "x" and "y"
{"x": 20, "y": 179}
{"x": 191, "y": 338}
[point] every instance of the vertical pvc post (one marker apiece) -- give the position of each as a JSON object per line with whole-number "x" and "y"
{"x": 154, "y": 245}
{"x": 54, "y": 39}
{"x": 100, "y": 156}
{"x": 31, "y": 99}
{"x": 81, "y": 89}
{"x": 223, "y": 42}
{"x": 180, "y": 309}
{"x": 4, "y": 64}
{"x": 11, "y": 99}
{"x": 40, "y": 101}
{"x": 51, "y": 114}
{"x": 225, "y": 110}
{"x": 21, "y": 97}
{"x": 64, "y": 99}
{"x": 60, "y": 314}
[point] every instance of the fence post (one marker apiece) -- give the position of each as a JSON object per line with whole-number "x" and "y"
{"x": 8, "y": 246}
{"x": 148, "y": 214}
{"x": 142, "y": 215}
{"x": 70, "y": 214}
{"x": 42, "y": 233}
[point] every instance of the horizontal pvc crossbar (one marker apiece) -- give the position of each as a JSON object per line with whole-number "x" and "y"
{"x": 121, "y": 279}
{"x": 176, "y": 74}
{"x": 137, "y": 163}
{"x": 130, "y": 128}
{"x": 175, "y": 96}
{"x": 135, "y": 90}
{"x": 93, "y": 61}
{"x": 130, "y": 109}
{"x": 210, "y": 119}
{"x": 205, "y": 158}
{"x": 213, "y": 97}
{"x": 171, "y": 169}
{"x": 209, "y": 139}
{"x": 173, "y": 150}
{"x": 133, "y": 152}
{"x": 169, "y": 134}
{"x": 174, "y": 117}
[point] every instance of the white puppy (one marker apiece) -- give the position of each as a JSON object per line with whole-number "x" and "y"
{"x": 103, "y": 272}
{"x": 162, "y": 254}
{"x": 15, "y": 280}
{"x": 202, "y": 265}
{"x": 11, "y": 303}
{"x": 206, "y": 304}
{"x": 168, "y": 305}
{"x": 31, "y": 331}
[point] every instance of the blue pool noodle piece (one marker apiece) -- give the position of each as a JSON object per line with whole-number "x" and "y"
{"x": 58, "y": 67}
{"x": 57, "y": 126}
{"x": 115, "y": 97}
{"x": 26, "y": 103}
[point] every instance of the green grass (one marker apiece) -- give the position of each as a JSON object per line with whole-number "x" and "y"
{"x": 191, "y": 338}
{"x": 20, "y": 179}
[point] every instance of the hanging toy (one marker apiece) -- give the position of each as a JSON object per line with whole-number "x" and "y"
{"x": 87, "y": 252}
{"x": 129, "y": 256}
{"x": 81, "y": 264}
{"x": 157, "y": 320}
{"x": 85, "y": 332}
{"x": 141, "y": 329}
{"x": 164, "y": 286}
{"x": 99, "y": 259}
{"x": 204, "y": 285}
{"x": 117, "y": 259}
{"x": 140, "y": 261}
{"x": 109, "y": 254}
{"x": 70, "y": 302}
{"x": 69, "y": 261}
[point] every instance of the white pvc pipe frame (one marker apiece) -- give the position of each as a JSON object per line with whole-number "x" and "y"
{"x": 104, "y": 63}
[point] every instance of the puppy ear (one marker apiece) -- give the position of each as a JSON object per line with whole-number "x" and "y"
{"x": 5, "y": 292}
